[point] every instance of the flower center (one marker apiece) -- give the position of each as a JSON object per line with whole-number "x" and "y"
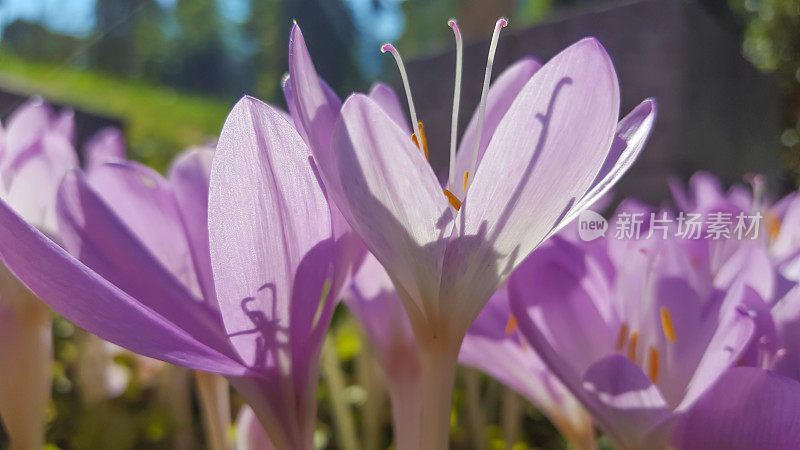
{"x": 632, "y": 340}
{"x": 418, "y": 137}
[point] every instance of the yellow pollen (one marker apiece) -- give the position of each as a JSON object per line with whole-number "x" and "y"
{"x": 653, "y": 366}
{"x": 511, "y": 326}
{"x": 466, "y": 177}
{"x": 621, "y": 336}
{"x": 773, "y": 225}
{"x": 453, "y": 199}
{"x": 666, "y": 324}
{"x": 424, "y": 147}
{"x": 424, "y": 139}
{"x": 632, "y": 346}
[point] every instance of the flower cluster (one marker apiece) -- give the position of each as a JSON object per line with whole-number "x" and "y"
{"x": 234, "y": 262}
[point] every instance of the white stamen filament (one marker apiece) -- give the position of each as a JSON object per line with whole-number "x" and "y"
{"x": 487, "y": 78}
{"x": 758, "y": 184}
{"x": 414, "y": 123}
{"x": 456, "y": 100}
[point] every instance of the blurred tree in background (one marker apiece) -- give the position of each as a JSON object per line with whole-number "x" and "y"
{"x": 223, "y": 49}
{"x": 772, "y": 43}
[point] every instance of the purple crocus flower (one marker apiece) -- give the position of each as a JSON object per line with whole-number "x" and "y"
{"x": 773, "y": 261}
{"x": 747, "y": 408}
{"x": 494, "y": 345}
{"x": 375, "y": 303}
{"x": 35, "y": 156}
{"x": 145, "y": 279}
{"x": 556, "y": 148}
{"x": 636, "y": 336}
{"x": 779, "y": 231}
{"x": 35, "y": 152}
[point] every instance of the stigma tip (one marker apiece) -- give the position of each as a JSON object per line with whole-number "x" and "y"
{"x": 386, "y": 48}
{"x": 502, "y": 22}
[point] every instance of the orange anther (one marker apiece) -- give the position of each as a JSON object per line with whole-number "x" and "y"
{"x": 634, "y": 339}
{"x": 666, "y": 324}
{"x": 424, "y": 139}
{"x": 653, "y": 366}
{"x": 622, "y": 336}
{"x": 453, "y": 199}
{"x": 511, "y": 326}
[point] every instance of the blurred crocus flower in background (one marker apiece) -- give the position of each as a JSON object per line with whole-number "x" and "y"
{"x": 35, "y": 152}
{"x": 779, "y": 220}
{"x": 637, "y": 330}
{"x": 494, "y": 345}
{"x": 773, "y": 258}
{"x": 121, "y": 212}
{"x": 374, "y": 302}
{"x": 556, "y": 148}
{"x": 107, "y": 144}
{"x": 144, "y": 280}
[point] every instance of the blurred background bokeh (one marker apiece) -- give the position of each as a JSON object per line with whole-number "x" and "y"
{"x": 168, "y": 71}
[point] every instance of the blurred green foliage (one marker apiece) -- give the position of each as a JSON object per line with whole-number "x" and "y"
{"x": 772, "y": 43}
{"x": 158, "y": 121}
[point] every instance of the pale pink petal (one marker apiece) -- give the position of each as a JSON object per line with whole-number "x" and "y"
{"x": 631, "y": 135}
{"x": 544, "y": 156}
{"x": 387, "y": 99}
{"x": 189, "y": 177}
{"x": 146, "y": 203}
{"x": 270, "y": 237}
{"x": 389, "y": 194}
{"x": 310, "y": 99}
{"x": 502, "y": 93}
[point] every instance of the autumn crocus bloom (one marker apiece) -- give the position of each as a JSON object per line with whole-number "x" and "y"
{"x": 556, "y": 148}
{"x": 637, "y": 337}
{"x": 779, "y": 230}
{"x": 35, "y": 152}
{"x": 375, "y": 303}
{"x": 773, "y": 256}
{"x": 494, "y": 345}
{"x": 143, "y": 295}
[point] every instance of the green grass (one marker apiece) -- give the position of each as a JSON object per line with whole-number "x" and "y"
{"x": 158, "y": 122}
